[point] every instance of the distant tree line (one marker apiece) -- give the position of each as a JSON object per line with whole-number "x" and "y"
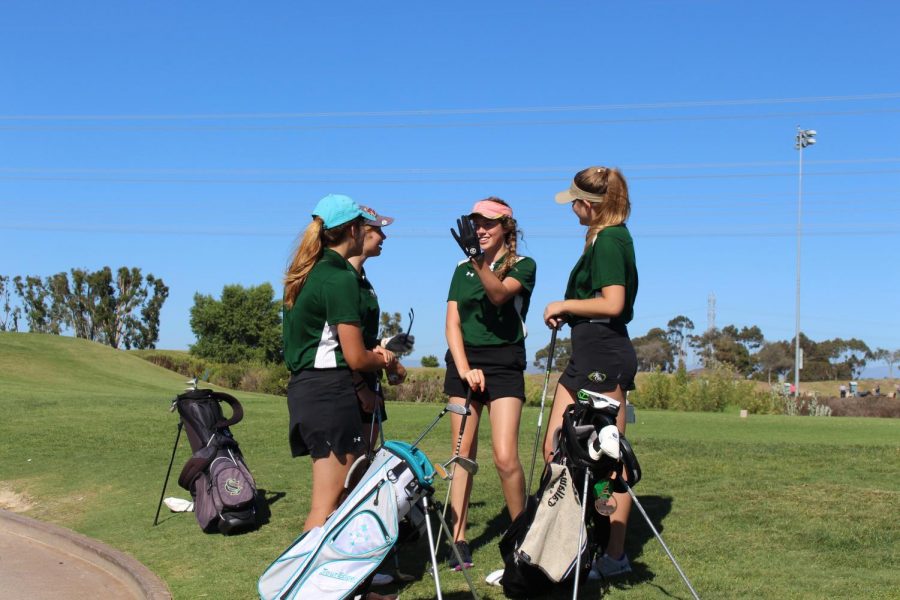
{"x": 745, "y": 350}
{"x": 120, "y": 309}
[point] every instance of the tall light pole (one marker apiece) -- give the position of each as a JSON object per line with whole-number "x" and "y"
{"x": 805, "y": 137}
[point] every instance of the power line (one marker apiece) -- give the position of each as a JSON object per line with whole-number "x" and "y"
{"x": 439, "y": 170}
{"x": 451, "y": 125}
{"x": 457, "y": 111}
{"x": 431, "y": 180}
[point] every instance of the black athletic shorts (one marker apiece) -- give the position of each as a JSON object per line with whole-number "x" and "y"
{"x": 324, "y": 413}
{"x": 502, "y": 366}
{"x": 602, "y": 359}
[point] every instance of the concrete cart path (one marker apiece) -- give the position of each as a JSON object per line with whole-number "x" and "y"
{"x": 40, "y": 561}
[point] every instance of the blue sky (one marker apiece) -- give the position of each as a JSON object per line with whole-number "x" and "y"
{"x": 193, "y": 141}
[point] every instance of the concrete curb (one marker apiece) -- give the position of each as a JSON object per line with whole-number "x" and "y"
{"x": 133, "y": 575}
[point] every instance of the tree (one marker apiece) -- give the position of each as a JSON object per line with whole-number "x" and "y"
{"x": 678, "y": 333}
{"x": 561, "y": 355}
{"x": 654, "y": 350}
{"x": 119, "y": 311}
{"x": 244, "y": 325}
{"x": 430, "y": 361}
{"x": 880, "y": 354}
{"x": 775, "y": 357}
{"x": 727, "y": 345}
{"x": 9, "y": 314}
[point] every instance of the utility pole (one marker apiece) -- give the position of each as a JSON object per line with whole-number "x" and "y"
{"x": 805, "y": 137}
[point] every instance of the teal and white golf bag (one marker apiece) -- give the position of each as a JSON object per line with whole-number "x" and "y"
{"x": 334, "y": 560}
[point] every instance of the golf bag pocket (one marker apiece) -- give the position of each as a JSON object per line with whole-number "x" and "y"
{"x": 225, "y": 494}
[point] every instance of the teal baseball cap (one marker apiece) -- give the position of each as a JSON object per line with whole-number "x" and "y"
{"x": 337, "y": 209}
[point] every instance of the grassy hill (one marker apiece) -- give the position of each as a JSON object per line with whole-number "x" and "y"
{"x": 764, "y": 507}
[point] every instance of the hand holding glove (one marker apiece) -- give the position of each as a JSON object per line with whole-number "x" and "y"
{"x": 467, "y": 238}
{"x": 399, "y": 344}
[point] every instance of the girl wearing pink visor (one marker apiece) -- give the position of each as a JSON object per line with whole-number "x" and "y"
{"x": 485, "y": 327}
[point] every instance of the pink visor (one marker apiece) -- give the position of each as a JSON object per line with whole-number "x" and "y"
{"x": 491, "y": 209}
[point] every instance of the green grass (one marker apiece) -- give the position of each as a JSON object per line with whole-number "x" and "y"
{"x": 765, "y": 507}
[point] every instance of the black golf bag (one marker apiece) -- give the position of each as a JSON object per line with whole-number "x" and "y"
{"x": 222, "y": 487}
{"x": 589, "y": 451}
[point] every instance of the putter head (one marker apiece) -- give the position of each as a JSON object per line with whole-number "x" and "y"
{"x": 441, "y": 472}
{"x": 466, "y": 464}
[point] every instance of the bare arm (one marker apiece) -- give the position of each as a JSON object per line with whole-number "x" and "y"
{"x": 453, "y": 330}
{"x": 355, "y": 353}
{"x": 610, "y": 304}
{"x": 498, "y": 292}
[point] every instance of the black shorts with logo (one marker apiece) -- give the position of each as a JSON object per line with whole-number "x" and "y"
{"x": 602, "y": 359}
{"x": 503, "y": 368}
{"x": 324, "y": 413}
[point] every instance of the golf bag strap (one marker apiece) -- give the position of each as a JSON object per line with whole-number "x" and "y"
{"x": 237, "y": 411}
{"x": 629, "y": 466}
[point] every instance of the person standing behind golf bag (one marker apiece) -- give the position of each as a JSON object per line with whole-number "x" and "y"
{"x": 322, "y": 342}
{"x": 485, "y": 327}
{"x": 368, "y": 385}
{"x": 598, "y": 305}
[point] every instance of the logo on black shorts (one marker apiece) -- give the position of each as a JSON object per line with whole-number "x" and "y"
{"x": 597, "y": 377}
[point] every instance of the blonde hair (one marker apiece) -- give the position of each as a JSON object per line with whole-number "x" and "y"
{"x": 615, "y": 208}
{"x": 510, "y": 238}
{"x": 310, "y": 249}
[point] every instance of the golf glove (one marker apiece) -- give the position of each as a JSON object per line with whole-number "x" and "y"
{"x": 467, "y": 238}
{"x": 399, "y": 344}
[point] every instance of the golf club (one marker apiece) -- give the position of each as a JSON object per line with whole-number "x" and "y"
{"x": 659, "y": 537}
{"x": 166, "y": 482}
{"x": 467, "y": 464}
{"x": 454, "y": 408}
{"x": 537, "y": 437}
{"x": 412, "y": 317}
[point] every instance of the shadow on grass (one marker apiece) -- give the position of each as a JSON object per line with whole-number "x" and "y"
{"x": 264, "y": 500}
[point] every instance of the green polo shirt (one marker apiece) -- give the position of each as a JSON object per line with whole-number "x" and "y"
{"x": 330, "y": 296}
{"x": 369, "y": 311}
{"x": 608, "y": 261}
{"x": 484, "y": 324}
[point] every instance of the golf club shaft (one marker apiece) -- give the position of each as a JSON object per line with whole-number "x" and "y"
{"x": 166, "y": 482}
{"x": 429, "y": 428}
{"x": 537, "y": 437}
{"x": 462, "y": 429}
{"x": 659, "y": 537}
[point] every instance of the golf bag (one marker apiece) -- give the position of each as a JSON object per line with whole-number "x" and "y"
{"x": 335, "y": 560}
{"x": 540, "y": 549}
{"x": 222, "y": 487}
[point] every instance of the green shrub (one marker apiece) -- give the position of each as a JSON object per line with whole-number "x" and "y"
{"x": 656, "y": 391}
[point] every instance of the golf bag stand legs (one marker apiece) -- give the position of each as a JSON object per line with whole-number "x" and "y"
{"x": 434, "y": 565}
{"x": 166, "y": 482}
{"x": 434, "y": 562}
{"x": 659, "y": 537}
{"x": 581, "y": 531}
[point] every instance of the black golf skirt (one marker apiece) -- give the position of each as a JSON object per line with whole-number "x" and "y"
{"x": 324, "y": 414}
{"x": 503, "y": 368}
{"x": 602, "y": 359}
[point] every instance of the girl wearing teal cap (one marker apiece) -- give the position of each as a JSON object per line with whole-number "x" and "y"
{"x": 323, "y": 342}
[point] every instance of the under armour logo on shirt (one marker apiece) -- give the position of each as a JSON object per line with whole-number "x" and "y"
{"x": 470, "y": 274}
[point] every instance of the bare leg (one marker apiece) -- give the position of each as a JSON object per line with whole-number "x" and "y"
{"x": 462, "y": 481}
{"x": 505, "y": 414}
{"x": 561, "y": 400}
{"x": 328, "y": 485}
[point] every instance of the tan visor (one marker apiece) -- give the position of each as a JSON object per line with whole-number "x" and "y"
{"x": 576, "y": 193}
